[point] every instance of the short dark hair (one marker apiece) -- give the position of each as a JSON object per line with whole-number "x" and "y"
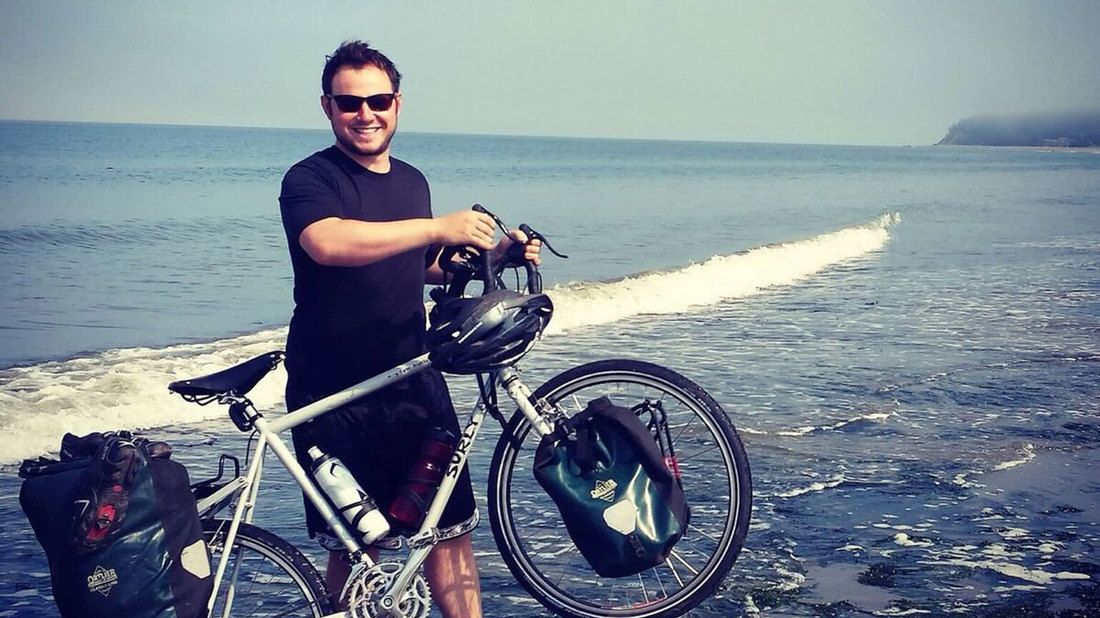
{"x": 357, "y": 54}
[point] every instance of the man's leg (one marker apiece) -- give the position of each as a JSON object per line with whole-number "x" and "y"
{"x": 452, "y": 575}
{"x": 336, "y": 575}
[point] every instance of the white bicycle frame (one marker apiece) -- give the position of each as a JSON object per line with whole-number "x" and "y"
{"x": 427, "y": 536}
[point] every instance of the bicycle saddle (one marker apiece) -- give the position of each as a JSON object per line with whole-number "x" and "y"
{"x": 238, "y": 379}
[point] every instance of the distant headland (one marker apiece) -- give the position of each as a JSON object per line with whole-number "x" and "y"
{"x": 1061, "y": 130}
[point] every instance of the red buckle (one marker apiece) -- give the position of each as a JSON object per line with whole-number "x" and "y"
{"x": 673, "y": 466}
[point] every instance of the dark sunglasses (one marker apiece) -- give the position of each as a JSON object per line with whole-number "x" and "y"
{"x": 349, "y": 103}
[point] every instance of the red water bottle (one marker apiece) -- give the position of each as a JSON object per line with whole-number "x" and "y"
{"x": 411, "y": 504}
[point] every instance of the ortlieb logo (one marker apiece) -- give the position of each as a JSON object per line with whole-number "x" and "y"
{"x": 102, "y": 580}
{"x": 605, "y": 490}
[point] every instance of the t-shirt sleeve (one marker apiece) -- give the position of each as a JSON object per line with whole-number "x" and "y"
{"x": 307, "y": 196}
{"x": 433, "y": 250}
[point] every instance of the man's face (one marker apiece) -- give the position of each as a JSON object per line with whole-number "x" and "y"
{"x": 363, "y": 134}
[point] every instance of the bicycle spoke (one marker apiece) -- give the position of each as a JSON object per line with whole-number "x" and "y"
{"x": 565, "y": 569}
{"x": 661, "y": 583}
{"x": 683, "y": 427}
{"x": 690, "y": 457}
{"x": 675, "y": 554}
{"x": 577, "y": 407}
{"x": 701, "y": 533}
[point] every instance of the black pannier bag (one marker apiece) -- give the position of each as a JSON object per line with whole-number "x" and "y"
{"x": 119, "y": 525}
{"x": 622, "y": 506}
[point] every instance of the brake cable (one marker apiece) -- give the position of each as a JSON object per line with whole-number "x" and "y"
{"x": 489, "y": 396}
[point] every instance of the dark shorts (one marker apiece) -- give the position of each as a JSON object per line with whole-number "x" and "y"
{"x": 378, "y": 438}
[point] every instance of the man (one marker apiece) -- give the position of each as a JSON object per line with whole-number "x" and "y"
{"x": 363, "y": 244}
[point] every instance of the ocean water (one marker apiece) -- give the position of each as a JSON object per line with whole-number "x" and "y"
{"x": 907, "y": 339}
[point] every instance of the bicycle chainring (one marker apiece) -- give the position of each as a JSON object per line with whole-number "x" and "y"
{"x": 367, "y": 585}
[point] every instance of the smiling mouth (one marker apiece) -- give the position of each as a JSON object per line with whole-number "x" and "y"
{"x": 366, "y": 130}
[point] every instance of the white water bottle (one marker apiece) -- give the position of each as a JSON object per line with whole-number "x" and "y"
{"x": 350, "y": 499}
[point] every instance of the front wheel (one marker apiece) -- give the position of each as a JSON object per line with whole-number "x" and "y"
{"x": 266, "y": 576}
{"x": 715, "y": 477}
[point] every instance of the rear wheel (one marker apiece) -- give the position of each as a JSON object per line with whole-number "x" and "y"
{"x": 715, "y": 476}
{"x": 266, "y": 575}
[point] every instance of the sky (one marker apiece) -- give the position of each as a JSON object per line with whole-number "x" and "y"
{"x": 843, "y": 72}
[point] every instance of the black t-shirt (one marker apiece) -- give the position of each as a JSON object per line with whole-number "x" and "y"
{"x": 351, "y": 323}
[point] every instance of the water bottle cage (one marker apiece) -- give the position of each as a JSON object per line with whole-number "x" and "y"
{"x": 365, "y": 506}
{"x": 203, "y": 489}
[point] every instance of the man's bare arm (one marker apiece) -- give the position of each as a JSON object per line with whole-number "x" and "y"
{"x": 346, "y": 242}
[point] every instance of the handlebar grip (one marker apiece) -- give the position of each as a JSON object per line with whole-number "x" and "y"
{"x": 487, "y": 273}
{"x": 534, "y": 279}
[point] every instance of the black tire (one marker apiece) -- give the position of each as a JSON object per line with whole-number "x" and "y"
{"x": 274, "y": 578}
{"x": 535, "y": 544}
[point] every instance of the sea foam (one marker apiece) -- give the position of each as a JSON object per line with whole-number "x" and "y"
{"x": 719, "y": 278}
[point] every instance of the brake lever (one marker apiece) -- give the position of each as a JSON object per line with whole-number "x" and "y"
{"x": 485, "y": 211}
{"x": 532, "y": 234}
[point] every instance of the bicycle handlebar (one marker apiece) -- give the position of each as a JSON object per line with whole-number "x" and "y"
{"x": 481, "y": 265}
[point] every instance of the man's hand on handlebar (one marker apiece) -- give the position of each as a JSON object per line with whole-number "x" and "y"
{"x": 531, "y": 249}
{"x": 465, "y": 228}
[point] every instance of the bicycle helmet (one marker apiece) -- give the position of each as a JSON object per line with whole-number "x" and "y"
{"x": 485, "y": 333}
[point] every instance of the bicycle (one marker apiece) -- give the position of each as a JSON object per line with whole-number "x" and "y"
{"x": 263, "y": 574}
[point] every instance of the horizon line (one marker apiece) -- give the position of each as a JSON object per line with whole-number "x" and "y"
{"x": 472, "y": 134}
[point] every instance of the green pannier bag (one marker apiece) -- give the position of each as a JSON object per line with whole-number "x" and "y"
{"x": 119, "y": 525}
{"x": 621, "y": 504}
